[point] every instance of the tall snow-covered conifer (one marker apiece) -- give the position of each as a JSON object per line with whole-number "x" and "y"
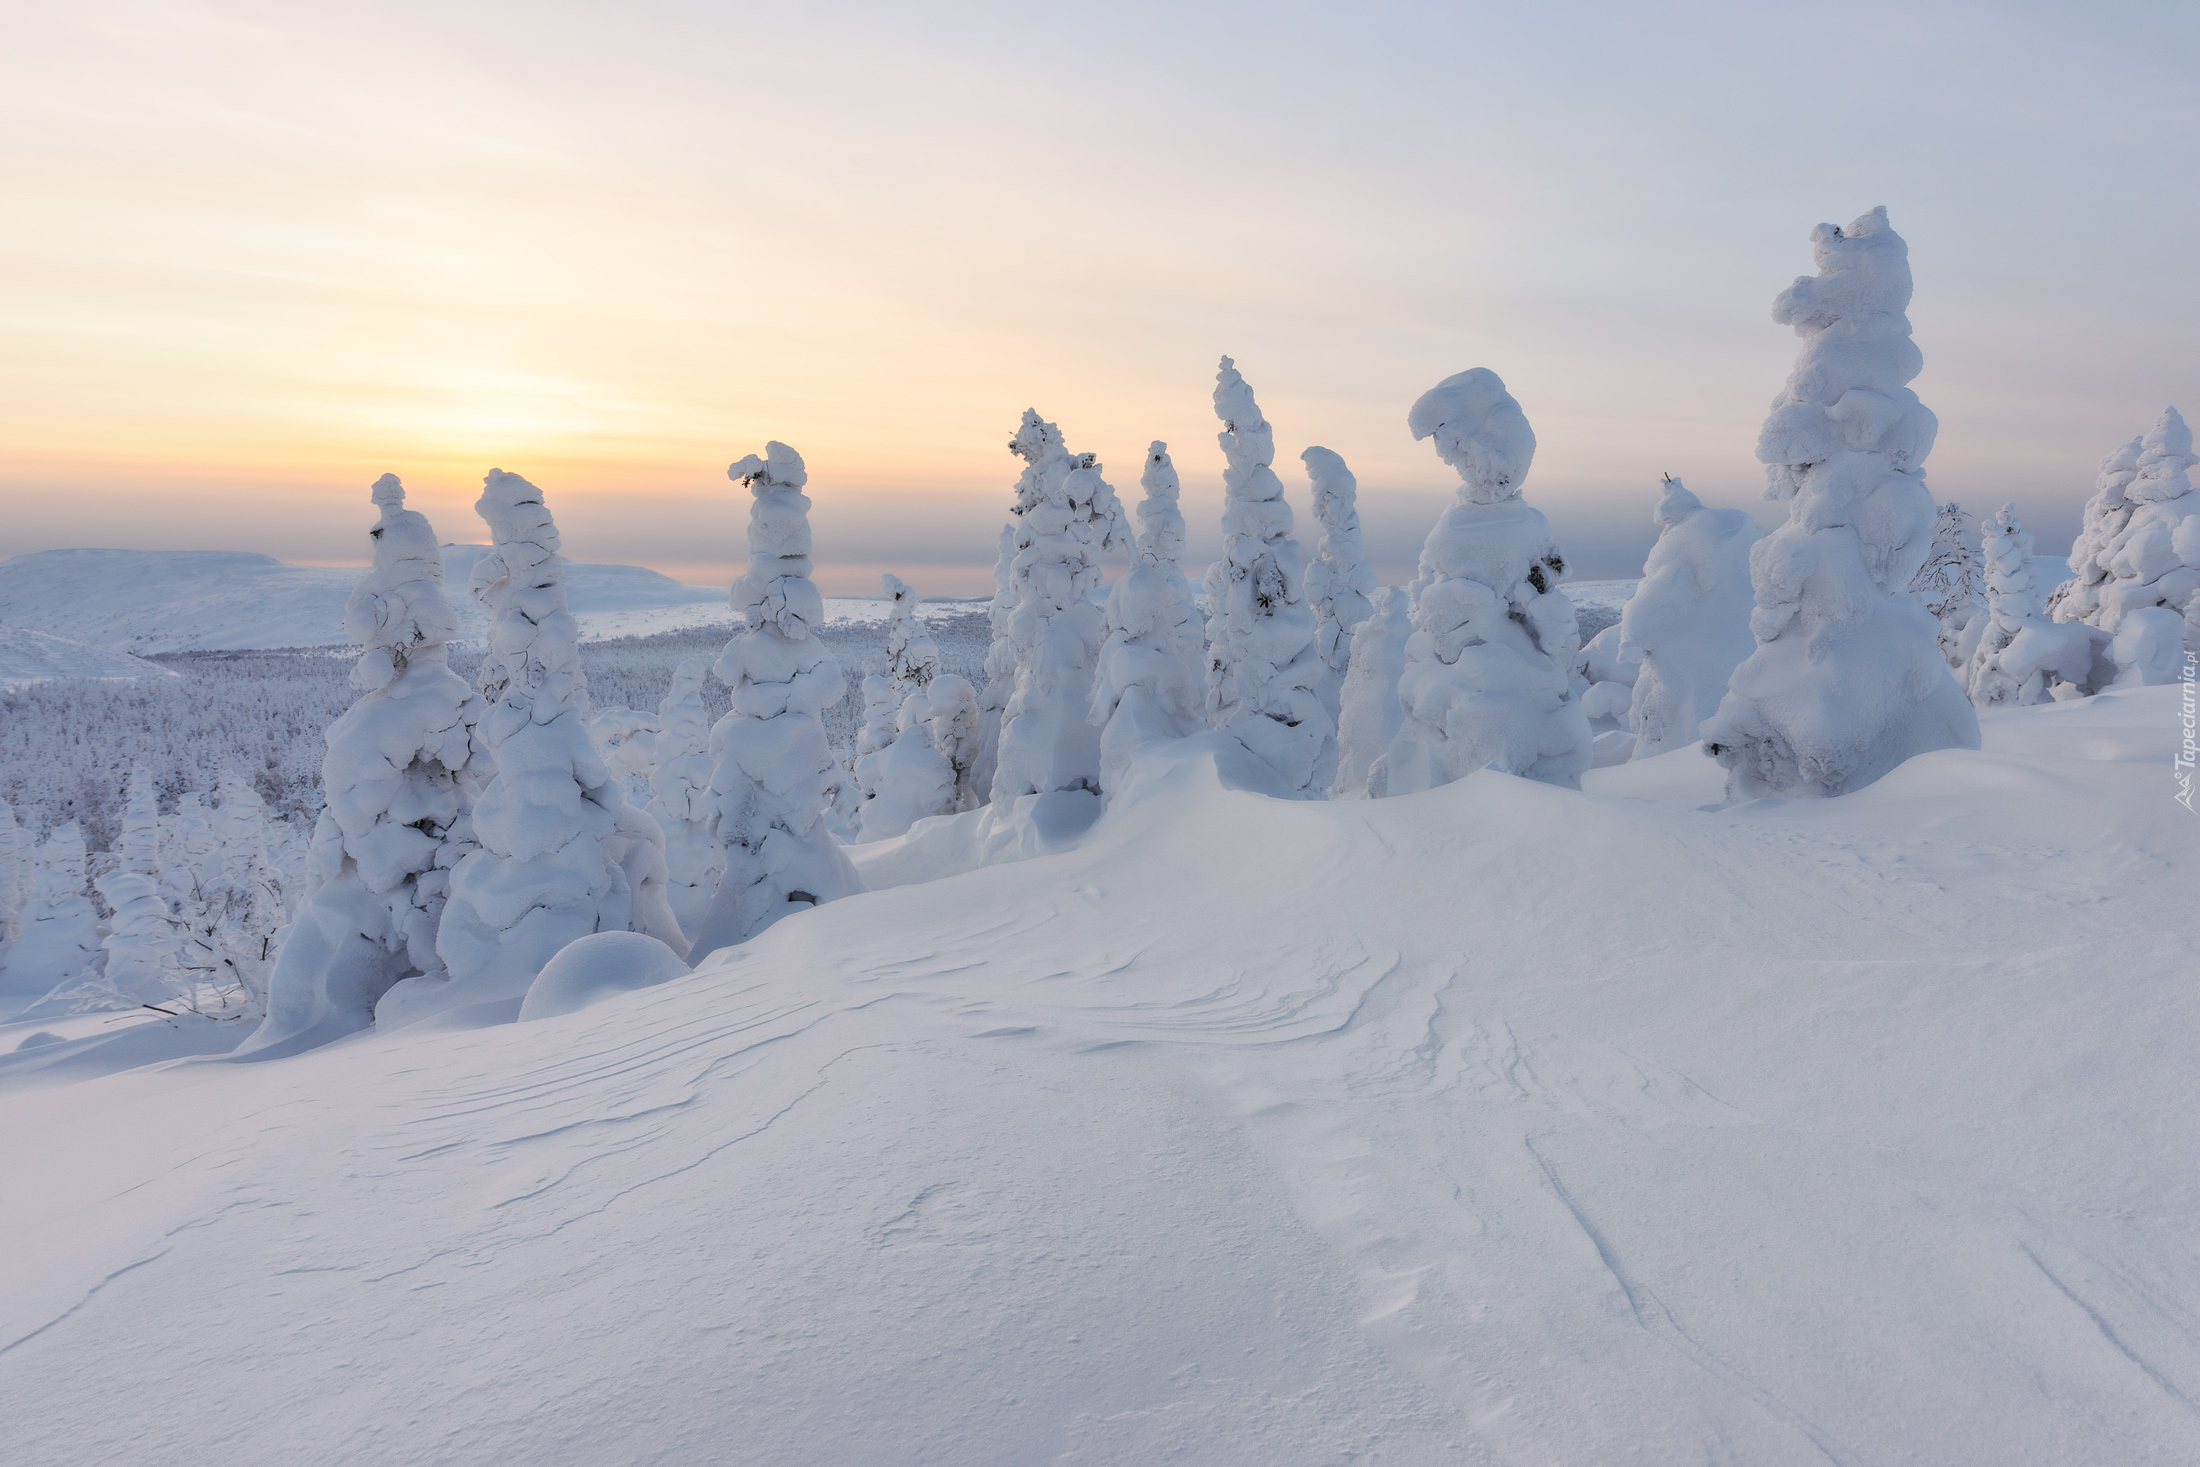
{"x": 1039, "y": 444}
{"x": 559, "y": 852}
{"x": 57, "y": 948}
{"x": 1047, "y": 740}
{"x": 1150, "y": 666}
{"x": 680, "y": 796}
{"x": 912, "y": 657}
{"x": 771, "y": 765}
{"x": 1847, "y": 680}
{"x": 1687, "y": 625}
{"x": 399, "y": 778}
{"x": 1952, "y": 585}
{"x": 2136, "y": 564}
{"x": 2022, "y": 657}
{"x": 1488, "y": 675}
{"x": 141, "y": 935}
{"x": 1370, "y": 714}
{"x": 1264, "y": 671}
{"x": 1339, "y": 583}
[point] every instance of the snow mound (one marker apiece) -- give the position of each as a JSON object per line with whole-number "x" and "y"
{"x": 596, "y": 967}
{"x": 28, "y": 657}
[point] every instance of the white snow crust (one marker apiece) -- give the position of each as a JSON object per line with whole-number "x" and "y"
{"x": 1022, "y": 1165}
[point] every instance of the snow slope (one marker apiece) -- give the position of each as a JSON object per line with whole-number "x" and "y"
{"x": 153, "y": 601}
{"x": 1500, "y": 1123}
{"x": 28, "y": 657}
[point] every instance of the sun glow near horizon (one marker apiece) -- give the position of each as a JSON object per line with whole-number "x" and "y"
{"x": 263, "y": 256}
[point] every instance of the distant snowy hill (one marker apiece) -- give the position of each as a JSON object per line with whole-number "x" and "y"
{"x": 228, "y": 600}
{"x": 35, "y": 657}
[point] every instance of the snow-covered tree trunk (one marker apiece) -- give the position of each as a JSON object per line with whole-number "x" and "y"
{"x": 1847, "y": 680}
{"x": 2137, "y": 561}
{"x": 680, "y": 796}
{"x": 1339, "y": 583}
{"x": 771, "y": 765}
{"x": 2022, "y": 657}
{"x": 141, "y": 936}
{"x": 1686, "y": 628}
{"x": 57, "y": 949}
{"x": 1369, "y": 714}
{"x": 1264, "y": 671}
{"x": 1951, "y": 584}
{"x": 559, "y": 853}
{"x": 399, "y": 777}
{"x": 1488, "y": 681}
{"x": 1148, "y": 685}
{"x": 1048, "y": 741}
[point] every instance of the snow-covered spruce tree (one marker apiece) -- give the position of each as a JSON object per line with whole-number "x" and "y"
{"x": 16, "y": 846}
{"x": 2147, "y": 558}
{"x": 1951, "y": 585}
{"x": 770, "y": 762}
{"x": 1339, "y": 582}
{"x": 399, "y": 777}
{"x": 951, "y": 719}
{"x": 1048, "y": 741}
{"x": 1686, "y": 628}
{"x": 2022, "y": 657}
{"x": 141, "y": 936}
{"x": 1370, "y": 714}
{"x": 900, "y": 785}
{"x": 57, "y": 948}
{"x": 680, "y": 796}
{"x": 188, "y": 856}
{"x": 1264, "y": 671}
{"x": 912, "y": 657}
{"x": 244, "y": 894}
{"x": 2106, "y": 515}
{"x": 1847, "y": 680}
{"x": 910, "y": 777}
{"x": 1488, "y": 680}
{"x": 1148, "y": 685}
{"x": 1039, "y": 445}
{"x": 874, "y": 736}
{"x": 559, "y": 853}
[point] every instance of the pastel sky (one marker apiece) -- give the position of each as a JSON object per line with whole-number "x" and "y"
{"x": 256, "y": 254}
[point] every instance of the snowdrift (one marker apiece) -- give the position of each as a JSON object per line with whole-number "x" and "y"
{"x": 1500, "y": 1123}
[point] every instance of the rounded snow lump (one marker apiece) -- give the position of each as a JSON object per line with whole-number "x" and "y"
{"x": 590, "y": 969}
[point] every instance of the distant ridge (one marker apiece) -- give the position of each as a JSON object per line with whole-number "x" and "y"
{"x": 152, "y": 601}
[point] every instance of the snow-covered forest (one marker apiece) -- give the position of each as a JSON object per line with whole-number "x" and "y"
{"x": 1664, "y": 986}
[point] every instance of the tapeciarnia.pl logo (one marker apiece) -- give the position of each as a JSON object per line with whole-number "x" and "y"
{"x": 2188, "y": 715}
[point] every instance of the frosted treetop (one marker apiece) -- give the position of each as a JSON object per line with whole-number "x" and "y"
{"x": 1480, "y": 431}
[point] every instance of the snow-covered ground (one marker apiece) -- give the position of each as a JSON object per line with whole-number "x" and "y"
{"x": 156, "y": 601}
{"x": 1499, "y": 1123}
